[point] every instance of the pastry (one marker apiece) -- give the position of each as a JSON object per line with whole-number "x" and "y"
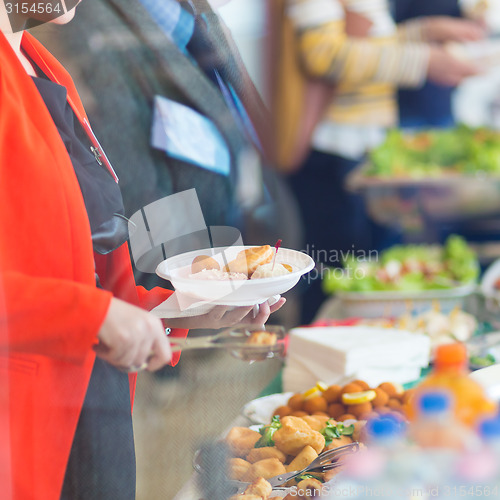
{"x": 202, "y": 262}
{"x": 270, "y": 271}
{"x": 247, "y": 261}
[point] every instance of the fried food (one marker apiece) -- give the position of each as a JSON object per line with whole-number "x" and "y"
{"x": 237, "y": 468}
{"x": 258, "y": 454}
{"x": 295, "y": 434}
{"x": 332, "y": 394}
{"x": 298, "y": 413}
{"x": 330, "y": 474}
{"x": 364, "y": 385}
{"x": 316, "y": 422}
{"x": 259, "y": 487}
{"x": 351, "y": 387}
{"x": 346, "y": 416}
{"x": 359, "y": 409}
{"x": 309, "y": 488}
{"x": 202, "y": 262}
{"x": 296, "y": 402}
{"x": 247, "y": 261}
{"x": 393, "y": 390}
{"x": 317, "y": 403}
{"x": 360, "y": 435}
{"x": 335, "y": 410}
{"x": 303, "y": 459}
{"x": 381, "y": 398}
{"x": 408, "y": 394}
{"x": 262, "y": 338}
{"x": 282, "y": 411}
{"x": 245, "y": 497}
{"x": 267, "y": 468}
{"x": 394, "y": 404}
{"x": 241, "y": 440}
{"x": 341, "y": 441}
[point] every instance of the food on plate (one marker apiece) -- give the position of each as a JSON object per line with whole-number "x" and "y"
{"x": 294, "y": 434}
{"x": 217, "y": 274}
{"x": 316, "y": 422}
{"x": 309, "y": 488}
{"x": 360, "y": 409}
{"x": 392, "y": 389}
{"x": 287, "y": 445}
{"x": 271, "y": 271}
{"x": 259, "y": 487}
{"x": 482, "y": 361}
{"x": 350, "y": 401}
{"x": 296, "y": 402}
{"x": 315, "y": 404}
{"x": 408, "y": 268}
{"x": 350, "y": 388}
{"x": 332, "y": 393}
{"x": 266, "y": 452}
{"x": 244, "y": 496}
{"x": 436, "y": 153}
{"x": 251, "y": 263}
{"x": 303, "y": 459}
{"x": 262, "y": 337}
{"x": 237, "y": 468}
{"x": 266, "y": 468}
{"x": 381, "y": 398}
{"x": 241, "y": 440}
{"x": 440, "y": 327}
{"x": 204, "y": 262}
{"x": 247, "y": 261}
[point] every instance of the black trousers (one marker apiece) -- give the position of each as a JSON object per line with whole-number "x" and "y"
{"x": 335, "y": 220}
{"x": 101, "y": 465}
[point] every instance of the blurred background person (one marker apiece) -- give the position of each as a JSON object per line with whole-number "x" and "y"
{"x": 356, "y": 48}
{"x": 431, "y": 104}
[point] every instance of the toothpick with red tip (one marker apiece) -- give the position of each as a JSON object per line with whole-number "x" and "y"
{"x": 278, "y": 244}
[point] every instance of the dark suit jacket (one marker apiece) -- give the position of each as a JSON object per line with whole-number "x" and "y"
{"x": 124, "y": 60}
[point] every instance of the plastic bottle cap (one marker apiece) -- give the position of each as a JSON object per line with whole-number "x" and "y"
{"x": 434, "y": 402}
{"x": 451, "y": 354}
{"x": 382, "y": 428}
{"x": 490, "y": 428}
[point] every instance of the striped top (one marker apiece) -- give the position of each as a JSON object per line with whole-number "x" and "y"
{"x": 366, "y": 67}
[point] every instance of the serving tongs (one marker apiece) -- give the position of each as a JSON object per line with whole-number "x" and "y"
{"x": 326, "y": 461}
{"x": 236, "y": 341}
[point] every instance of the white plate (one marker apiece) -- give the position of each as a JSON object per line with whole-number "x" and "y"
{"x": 489, "y": 378}
{"x": 260, "y": 411}
{"x": 178, "y": 268}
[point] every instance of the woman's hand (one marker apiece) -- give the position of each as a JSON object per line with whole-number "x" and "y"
{"x": 132, "y": 339}
{"x": 447, "y": 70}
{"x": 442, "y": 29}
{"x": 223, "y": 317}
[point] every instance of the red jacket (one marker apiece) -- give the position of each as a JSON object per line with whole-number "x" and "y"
{"x": 50, "y": 308}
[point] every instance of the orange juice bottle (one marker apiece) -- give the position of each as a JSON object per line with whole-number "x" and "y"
{"x": 451, "y": 374}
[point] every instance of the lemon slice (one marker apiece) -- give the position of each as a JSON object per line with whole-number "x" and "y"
{"x": 312, "y": 393}
{"x": 356, "y": 398}
{"x": 321, "y": 386}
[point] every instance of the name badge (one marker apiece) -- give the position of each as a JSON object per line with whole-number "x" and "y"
{"x": 187, "y": 135}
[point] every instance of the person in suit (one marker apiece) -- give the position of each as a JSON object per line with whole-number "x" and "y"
{"x": 73, "y": 326}
{"x": 182, "y": 51}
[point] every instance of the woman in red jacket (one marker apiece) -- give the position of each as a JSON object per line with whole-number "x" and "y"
{"x": 66, "y": 288}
